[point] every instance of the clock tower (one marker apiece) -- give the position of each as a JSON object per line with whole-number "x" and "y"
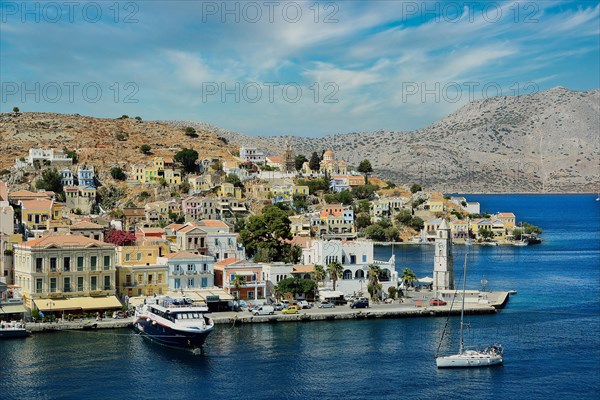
{"x": 443, "y": 266}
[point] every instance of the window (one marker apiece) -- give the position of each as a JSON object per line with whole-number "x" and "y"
{"x": 106, "y": 262}
{"x": 159, "y": 278}
{"x": 94, "y": 283}
{"x": 140, "y": 279}
{"x": 38, "y": 264}
{"x": 67, "y": 264}
{"x": 52, "y": 285}
{"x": 204, "y": 282}
{"x": 138, "y": 256}
{"x": 205, "y": 267}
{"x": 364, "y": 258}
{"x": 190, "y": 267}
{"x": 93, "y": 262}
{"x": 253, "y": 277}
{"x": 39, "y": 285}
{"x": 80, "y": 283}
{"x": 52, "y": 264}
{"x": 191, "y": 282}
{"x": 230, "y": 242}
{"x": 177, "y": 283}
{"x": 127, "y": 256}
{"x": 66, "y": 284}
{"x": 107, "y": 283}
{"x": 250, "y": 295}
{"x": 79, "y": 263}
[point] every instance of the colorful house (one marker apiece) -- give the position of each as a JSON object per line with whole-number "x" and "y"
{"x": 254, "y": 286}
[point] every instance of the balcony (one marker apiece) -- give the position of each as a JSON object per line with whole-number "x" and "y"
{"x": 54, "y": 295}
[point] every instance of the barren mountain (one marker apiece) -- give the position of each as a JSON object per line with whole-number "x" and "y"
{"x": 100, "y": 142}
{"x": 543, "y": 142}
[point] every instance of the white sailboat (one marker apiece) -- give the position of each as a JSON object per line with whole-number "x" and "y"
{"x": 522, "y": 242}
{"x": 469, "y": 358}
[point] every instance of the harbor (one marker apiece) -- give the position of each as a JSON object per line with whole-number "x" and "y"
{"x": 415, "y": 307}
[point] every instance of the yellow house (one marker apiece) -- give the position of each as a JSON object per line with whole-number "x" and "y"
{"x": 150, "y": 174}
{"x": 508, "y": 219}
{"x": 35, "y": 213}
{"x": 172, "y": 177}
{"x": 138, "y": 274}
{"x": 228, "y": 190}
{"x": 66, "y": 273}
{"x": 300, "y": 190}
{"x": 435, "y": 205}
{"x": 479, "y": 224}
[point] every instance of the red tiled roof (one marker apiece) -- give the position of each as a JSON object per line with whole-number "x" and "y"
{"x": 227, "y": 261}
{"x": 64, "y": 240}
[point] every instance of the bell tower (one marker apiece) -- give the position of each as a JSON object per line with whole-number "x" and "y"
{"x": 443, "y": 265}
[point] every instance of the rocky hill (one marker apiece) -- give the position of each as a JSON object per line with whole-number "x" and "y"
{"x": 543, "y": 142}
{"x": 99, "y": 141}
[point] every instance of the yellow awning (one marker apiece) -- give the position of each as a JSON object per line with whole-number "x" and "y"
{"x": 77, "y": 303}
{"x": 12, "y": 309}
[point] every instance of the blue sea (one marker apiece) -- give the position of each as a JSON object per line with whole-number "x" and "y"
{"x": 550, "y": 331}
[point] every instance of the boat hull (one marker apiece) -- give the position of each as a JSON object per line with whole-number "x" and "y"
{"x": 468, "y": 361}
{"x": 13, "y": 333}
{"x": 170, "y": 337}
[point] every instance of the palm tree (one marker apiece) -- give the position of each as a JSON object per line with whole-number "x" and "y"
{"x": 320, "y": 273}
{"x": 374, "y": 285}
{"x": 335, "y": 270}
{"x": 408, "y": 276}
{"x": 238, "y": 282}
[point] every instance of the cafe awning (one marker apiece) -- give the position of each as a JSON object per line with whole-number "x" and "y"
{"x": 12, "y": 309}
{"x": 78, "y": 303}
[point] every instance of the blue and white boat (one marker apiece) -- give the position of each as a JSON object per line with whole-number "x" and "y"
{"x": 176, "y": 323}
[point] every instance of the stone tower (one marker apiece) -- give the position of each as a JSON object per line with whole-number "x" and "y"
{"x": 443, "y": 266}
{"x": 289, "y": 164}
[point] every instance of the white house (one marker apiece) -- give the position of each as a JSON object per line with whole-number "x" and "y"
{"x": 355, "y": 257}
{"x": 188, "y": 270}
{"x": 252, "y": 154}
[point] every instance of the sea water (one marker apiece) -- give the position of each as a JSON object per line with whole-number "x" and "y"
{"x": 550, "y": 331}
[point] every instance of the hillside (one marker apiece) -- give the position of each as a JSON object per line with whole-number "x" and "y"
{"x": 543, "y": 142}
{"x": 95, "y": 139}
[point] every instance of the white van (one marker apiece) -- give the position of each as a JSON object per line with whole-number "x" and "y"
{"x": 264, "y": 310}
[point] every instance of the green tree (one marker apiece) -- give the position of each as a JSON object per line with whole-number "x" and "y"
{"x": 486, "y": 233}
{"x": 185, "y": 187}
{"x": 299, "y": 203}
{"x": 375, "y": 232}
{"x": 16, "y": 110}
{"x": 363, "y": 206}
{"x": 51, "y": 180}
{"x": 529, "y": 228}
{"x": 190, "y": 131}
{"x": 364, "y": 192}
{"x": 345, "y": 197}
{"x": 403, "y": 217}
{"x": 415, "y": 187}
{"x": 518, "y": 233}
{"x": 315, "y": 162}
{"x": 319, "y": 274}
{"x": 363, "y": 220}
{"x": 392, "y": 292}
{"x": 335, "y": 271}
{"x": 408, "y": 277}
{"x": 238, "y": 282}
{"x": 365, "y": 168}
{"x": 145, "y": 148}
{"x": 267, "y": 233}
{"x": 374, "y": 287}
{"x": 392, "y": 234}
{"x": 299, "y": 160}
{"x": 118, "y": 174}
{"x": 234, "y": 179}
{"x": 187, "y": 158}
{"x": 72, "y": 154}
{"x": 416, "y": 223}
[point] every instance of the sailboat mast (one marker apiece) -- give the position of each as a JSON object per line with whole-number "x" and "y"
{"x": 462, "y": 308}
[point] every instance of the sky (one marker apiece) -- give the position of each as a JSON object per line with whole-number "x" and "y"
{"x": 290, "y": 67}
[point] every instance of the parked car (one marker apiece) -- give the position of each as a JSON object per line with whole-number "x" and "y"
{"x": 264, "y": 310}
{"x": 326, "y": 304}
{"x": 290, "y": 310}
{"x": 119, "y": 315}
{"x": 278, "y": 306}
{"x": 437, "y": 302}
{"x": 304, "y": 304}
{"x": 360, "y": 303}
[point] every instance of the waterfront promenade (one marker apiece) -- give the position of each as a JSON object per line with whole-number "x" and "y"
{"x": 413, "y": 307}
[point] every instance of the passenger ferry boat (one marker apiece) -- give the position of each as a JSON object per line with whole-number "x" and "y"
{"x": 176, "y": 323}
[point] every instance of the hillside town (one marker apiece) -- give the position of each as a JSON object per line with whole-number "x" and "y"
{"x": 80, "y": 239}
